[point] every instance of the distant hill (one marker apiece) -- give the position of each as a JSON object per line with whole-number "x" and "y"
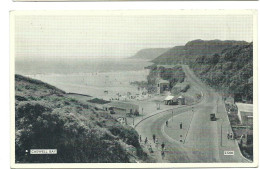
{"x": 47, "y": 118}
{"x": 149, "y": 54}
{"x": 193, "y": 49}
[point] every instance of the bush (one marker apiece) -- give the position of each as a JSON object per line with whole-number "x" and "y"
{"x": 78, "y": 132}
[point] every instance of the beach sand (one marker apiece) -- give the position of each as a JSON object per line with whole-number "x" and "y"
{"x": 95, "y": 84}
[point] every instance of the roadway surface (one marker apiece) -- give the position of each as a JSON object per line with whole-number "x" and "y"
{"x": 203, "y": 140}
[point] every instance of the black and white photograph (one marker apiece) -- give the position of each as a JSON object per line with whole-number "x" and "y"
{"x": 157, "y": 88}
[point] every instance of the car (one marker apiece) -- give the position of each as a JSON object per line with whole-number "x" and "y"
{"x": 112, "y": 112}
{"x": 212, "y": 117}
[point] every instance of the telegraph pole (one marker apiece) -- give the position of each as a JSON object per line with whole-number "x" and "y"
{"x": 221, "y": 139}
{"x": 172, "y": 114}
{"x": 142, "y": 112}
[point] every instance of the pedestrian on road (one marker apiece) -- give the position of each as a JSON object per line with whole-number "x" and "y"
{"x": 163, "y": 145}
{"x": 228, "y": 135}
{"x": 140, "y": 138}
{"x": 150, "y": 149}
{"x": 163, "y": 154}
{"x": 181, "y": 125}
{"x": 167, "y": 123}
{"x": 231, "y": 136}
{"x": 156, "y": 143}
{"x": 154, "y": 138}
{"x": 145, "y": 141}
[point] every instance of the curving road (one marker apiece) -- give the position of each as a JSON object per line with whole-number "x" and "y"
{"x": 204, "y": 140}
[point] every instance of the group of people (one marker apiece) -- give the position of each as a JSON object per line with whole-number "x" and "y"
{"x": 230, "y": 136}
{"x": 156, "y": 142}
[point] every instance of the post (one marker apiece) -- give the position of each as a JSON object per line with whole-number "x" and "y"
{"x": 172, "y": 114}
{"x": 221, "y": 133}
{"x": 142, "y": 112}
{"x": 125, "y": 118}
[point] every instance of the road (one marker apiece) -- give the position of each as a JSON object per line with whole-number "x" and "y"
{"x": 203, "y": 140}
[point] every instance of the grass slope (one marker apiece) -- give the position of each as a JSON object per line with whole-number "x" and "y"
{"x": 46, "y": 118}
{"x": 230, "y": 71}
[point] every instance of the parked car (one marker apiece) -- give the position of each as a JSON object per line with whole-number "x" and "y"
{"x": 212, "y": 117}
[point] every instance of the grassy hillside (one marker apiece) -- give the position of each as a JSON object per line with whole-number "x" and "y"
{"x": 225, "y": 65}
{"x": 194, "y": 49}
{"x": 230, "y": 71}
{"x": 149, "y": 54}
{"x": 46, "y": 118}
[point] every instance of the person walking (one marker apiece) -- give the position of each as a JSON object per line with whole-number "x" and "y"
{"x": 162, "y": 154}
{"x": 145, "y": 141}
{"x": 181, "y": 125}
{"x": 167, "y": 123}
{"x": 228, "y": 135}
{"x": 154, "y": 138}
{"x": 231, "y": 136}
{"x": 140, "y": 138}
{"x": 156, "y": 143}
{"x": 162, "y": 145}
{"x": 150, "y": 148}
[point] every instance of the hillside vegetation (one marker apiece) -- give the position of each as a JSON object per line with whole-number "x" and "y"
{"x": 193, "y": 49}
{"x": 46, "y": 118}
{"x": 230, "y": 71}
{"x": 225, "y": 65}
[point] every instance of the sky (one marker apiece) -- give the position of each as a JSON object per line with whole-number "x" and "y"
{"x": 118, "y": 36}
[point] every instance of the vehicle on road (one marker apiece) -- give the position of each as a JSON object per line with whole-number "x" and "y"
{"x": 213, "y": 117}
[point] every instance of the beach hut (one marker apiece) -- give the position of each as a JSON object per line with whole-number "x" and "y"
{"x": 170, "y": 100}
{"x": 174, "y": 100}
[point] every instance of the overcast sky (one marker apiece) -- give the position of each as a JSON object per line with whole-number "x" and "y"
{"x": 120, "y": 36}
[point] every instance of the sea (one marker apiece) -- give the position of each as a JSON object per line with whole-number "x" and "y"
{"x": 102, "y": 78}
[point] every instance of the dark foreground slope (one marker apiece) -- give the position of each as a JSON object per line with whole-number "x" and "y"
{"x": 45, "y": 118}
{"x": 193, "y": 49}
{"x": 230, "y": 71}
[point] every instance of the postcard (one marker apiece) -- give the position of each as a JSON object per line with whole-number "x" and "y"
{"x": 133, "y": 89}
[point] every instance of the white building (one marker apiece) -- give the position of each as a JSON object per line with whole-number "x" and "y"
{"x": 162, "y": 85}
{"x": 245, "y": 113}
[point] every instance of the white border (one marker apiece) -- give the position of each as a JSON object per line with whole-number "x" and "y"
{"x": 129, "y": 13}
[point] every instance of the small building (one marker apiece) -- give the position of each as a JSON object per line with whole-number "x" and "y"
{"x": 174, "y": 100}
{"x": 170, "y": 100}
{"x": 162, "y": 85}
{"x": 245, "y": 113}
{"x": 181, "y": 100}
{"x": 122, "y": 107}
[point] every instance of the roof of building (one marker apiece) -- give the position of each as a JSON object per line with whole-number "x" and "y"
{"x": 169, "y": 98}
{"x": 180, "y": 97}
{"x": 243, "y": 107}
{"x": 163, "y": 81}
